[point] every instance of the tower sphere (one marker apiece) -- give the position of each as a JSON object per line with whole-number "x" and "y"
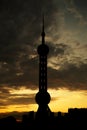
{"x": 43, "y": 49}
{"x": 42, "y": 98}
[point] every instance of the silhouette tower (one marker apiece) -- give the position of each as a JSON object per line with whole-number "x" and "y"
{"x": 43, "y": 97}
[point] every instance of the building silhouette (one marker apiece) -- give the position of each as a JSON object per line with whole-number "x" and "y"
{"x": 43, "y": 97}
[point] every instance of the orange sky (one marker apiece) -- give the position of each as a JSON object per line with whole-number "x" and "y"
{"x": 61, "y": 100}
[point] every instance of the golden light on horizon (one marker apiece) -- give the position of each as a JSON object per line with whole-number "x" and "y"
{"x": 61, "y": 100}
{"x": 65, "y": 99}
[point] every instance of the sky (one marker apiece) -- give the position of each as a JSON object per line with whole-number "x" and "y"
{"x": 66, "y": 36}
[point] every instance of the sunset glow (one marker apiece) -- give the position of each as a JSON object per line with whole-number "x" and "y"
{"x": 61, "y": 100}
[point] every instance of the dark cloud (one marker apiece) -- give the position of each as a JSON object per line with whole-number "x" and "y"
{"x": 20, "y": 30}
{"x": 60, "y": 49}
{"x": 17, "y": 101}
{"x": 20, "y": 20}
{"x": 25, "y": 75}
{"x": 22, "y": 100}
{"x": 71, "y": 77}
{"x": 82, "y": 5}
{"x": 76, "y": 13}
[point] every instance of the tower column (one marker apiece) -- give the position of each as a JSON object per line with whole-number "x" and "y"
{"x": 43, "y": 73}
{"x": 43, "y": 97}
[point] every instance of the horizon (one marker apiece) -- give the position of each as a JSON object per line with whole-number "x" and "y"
{"x": 19, "y": 115}
{"x": 68, "y": 99}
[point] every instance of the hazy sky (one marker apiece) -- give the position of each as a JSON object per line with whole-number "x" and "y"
{"x": 66, "y": 36}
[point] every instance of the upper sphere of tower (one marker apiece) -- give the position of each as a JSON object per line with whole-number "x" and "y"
{"x": 43, "y": 49}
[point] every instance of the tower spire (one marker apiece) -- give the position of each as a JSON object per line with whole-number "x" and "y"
{"x": 43, "y": 32}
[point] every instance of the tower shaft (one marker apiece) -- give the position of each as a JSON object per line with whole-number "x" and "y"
{"x": 43, "y": 73}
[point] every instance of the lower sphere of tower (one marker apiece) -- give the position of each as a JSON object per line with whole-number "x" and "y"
{"x": 42, "y": 98}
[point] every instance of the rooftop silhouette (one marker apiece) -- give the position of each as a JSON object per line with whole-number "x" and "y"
{"x": 74, "y": 119}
